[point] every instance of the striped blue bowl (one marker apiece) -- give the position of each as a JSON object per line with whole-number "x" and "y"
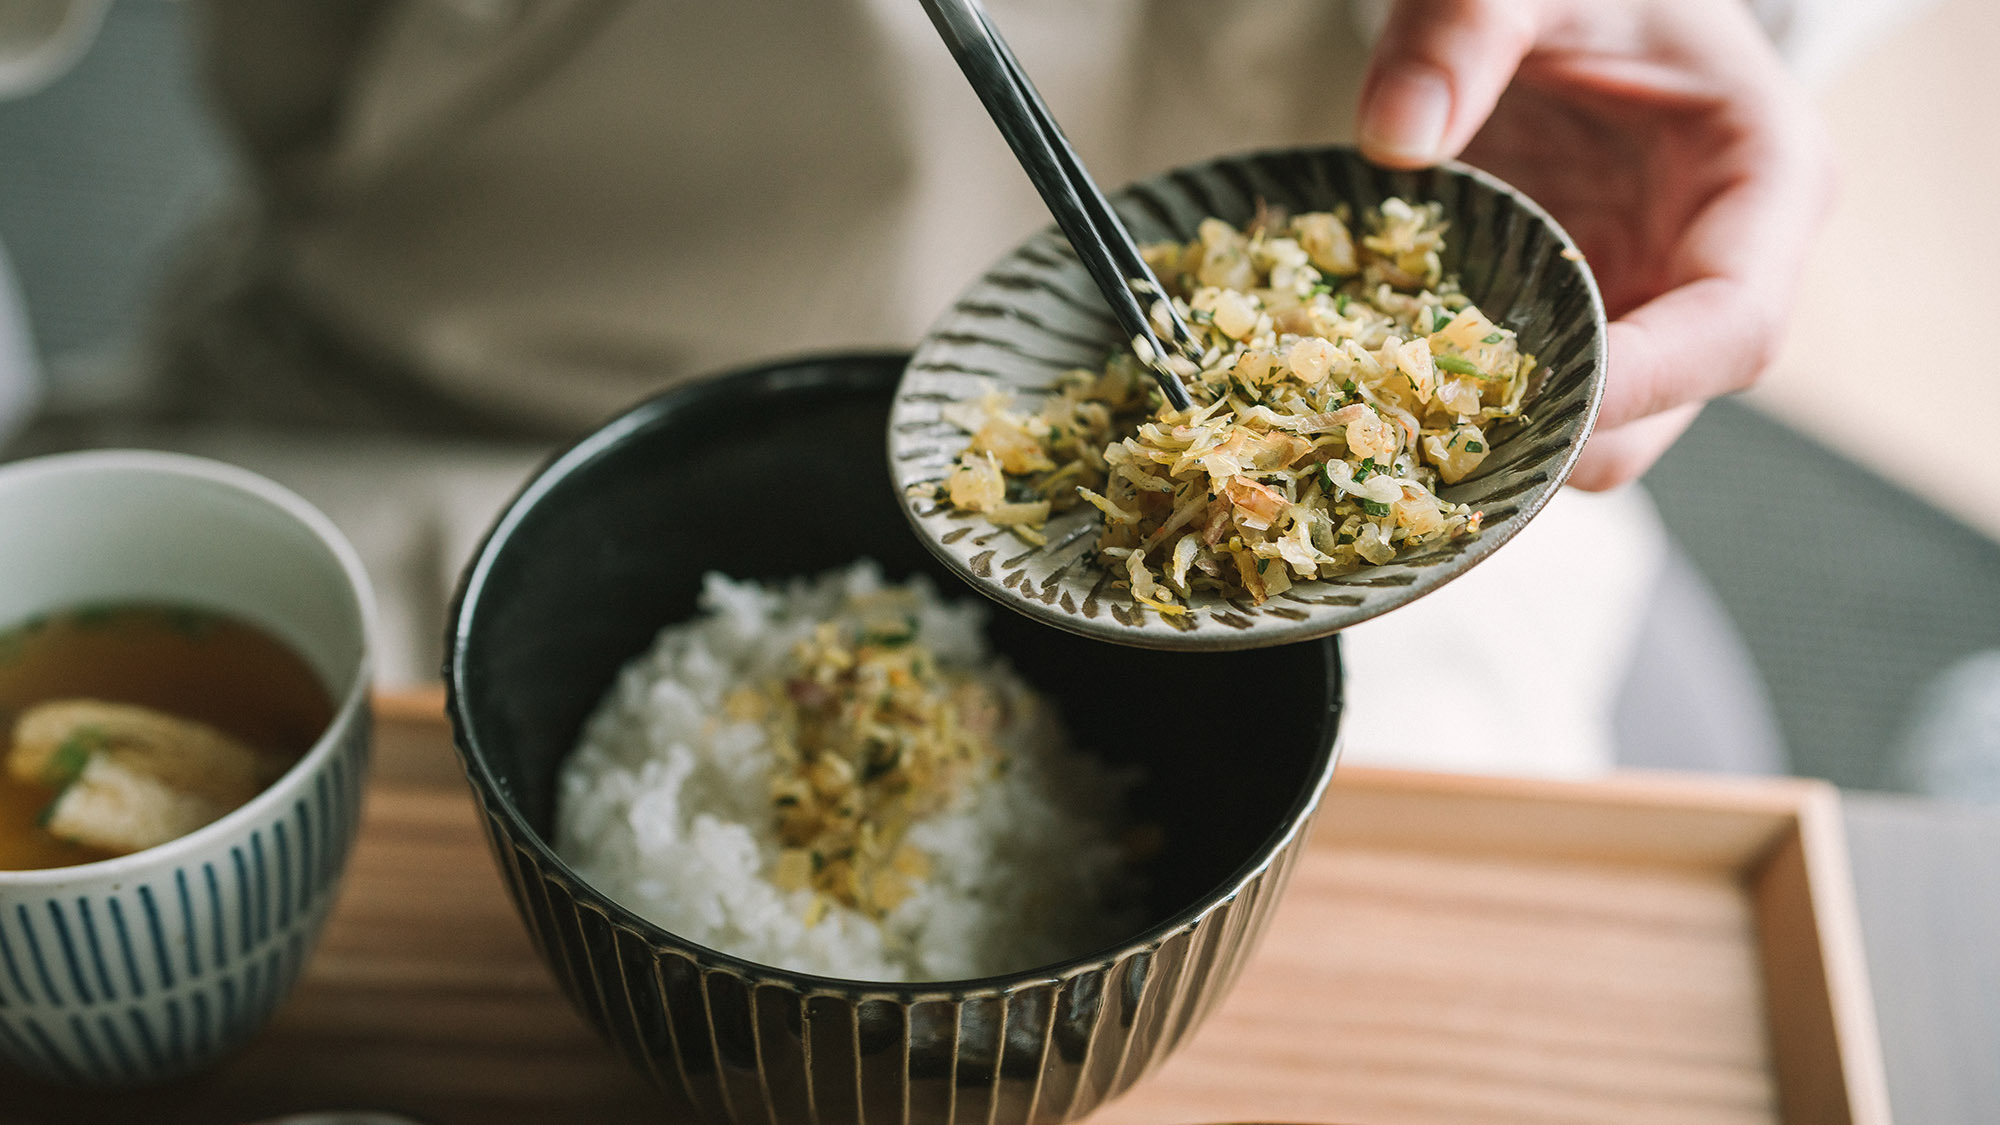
{"x": 147, "y": 967}
{"x": 151, "y": 965}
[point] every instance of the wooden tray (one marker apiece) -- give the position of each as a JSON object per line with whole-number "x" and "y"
{"x": 1452, "y": 949}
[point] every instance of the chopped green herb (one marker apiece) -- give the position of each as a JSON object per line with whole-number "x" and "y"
{"x": 1348, "y": 386}
{"x": 1457, "y": 365}
{"x": 881, "y": 759}
{"x": 1261, "y": 564}
{"x": 1374, "y": 508}
{"x": 1321, "y": 290}
{"x": 892, "y": 637}
{"x": 1342, "y": 538}
{"x": 1340, "y": 304}
{"x": 1493, "y": 337}
{"x": 190, "y": 622}
{"x": 67, "y": 763}
{"x": 1439, "y": 318}
{"x": 1474, "y": 447}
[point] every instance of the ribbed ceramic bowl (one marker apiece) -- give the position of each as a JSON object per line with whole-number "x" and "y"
{"x": 1036, "y": 314}
{"x": 778, "y": 472}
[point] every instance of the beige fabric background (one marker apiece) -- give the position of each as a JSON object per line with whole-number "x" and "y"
{"x": 1886, "y": 359}
{"x": 548, "y": 207}
{"x": 506, "y": 182}
{"x": 541, "y": 210}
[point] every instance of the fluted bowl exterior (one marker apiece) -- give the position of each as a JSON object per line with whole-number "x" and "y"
{"x": 739, "y": 1043}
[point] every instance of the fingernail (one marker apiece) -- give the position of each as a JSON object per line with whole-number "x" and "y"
{"x": 1406, "y": 116}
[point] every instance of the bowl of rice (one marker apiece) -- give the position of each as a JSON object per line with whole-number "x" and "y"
{"x": 809, "y": 831}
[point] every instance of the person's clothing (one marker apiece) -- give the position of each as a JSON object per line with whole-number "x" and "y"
{"x": 1518, "y": 665}
{"x": 1692, "y": 698}
{"x": 1951, "y": 739}
{"x": 41, "y": 39}
{"x": 491, "y": 216}
{"x": 20, "y": 372}
{"x": 541, "y": 211}
{"x": 521, "y": 215}
{"x": 515, "y": 217}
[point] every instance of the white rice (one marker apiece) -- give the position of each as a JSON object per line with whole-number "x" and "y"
{"x": 665, "y": 806}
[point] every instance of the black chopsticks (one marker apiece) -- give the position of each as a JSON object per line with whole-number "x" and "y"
{"x": 1094, "y": 230}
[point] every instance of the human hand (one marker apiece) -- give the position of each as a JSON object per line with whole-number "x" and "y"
{"x": 1669, "y": 139}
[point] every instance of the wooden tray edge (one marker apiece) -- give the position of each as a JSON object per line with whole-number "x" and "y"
{"x": 1782, "y": 836}
{"x": 1818, "y": 1002}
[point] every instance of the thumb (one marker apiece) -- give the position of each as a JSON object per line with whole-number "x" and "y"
{"x": 1435, "y": 74}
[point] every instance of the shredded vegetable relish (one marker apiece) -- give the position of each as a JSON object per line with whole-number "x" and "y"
{"x": 1342, "y": 381}
{"x": 870, "y": 734}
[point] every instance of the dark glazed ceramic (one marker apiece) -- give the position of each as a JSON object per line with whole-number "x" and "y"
{"x": 777, "y": 472}
{"x": 1036, "y": 314}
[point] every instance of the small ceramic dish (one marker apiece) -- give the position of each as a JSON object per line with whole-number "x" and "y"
{"x": 609, "y": 543}
{"x": 1036, "y": 314}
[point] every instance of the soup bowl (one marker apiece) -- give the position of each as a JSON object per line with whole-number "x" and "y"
{"x": 777, "y": 472}
{"x": 150, "y": 965}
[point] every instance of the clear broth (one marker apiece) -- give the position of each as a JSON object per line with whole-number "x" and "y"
{"x": 186, "y": 662}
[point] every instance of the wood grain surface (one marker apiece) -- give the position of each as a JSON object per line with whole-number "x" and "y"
{"x": 1451, "y": 950}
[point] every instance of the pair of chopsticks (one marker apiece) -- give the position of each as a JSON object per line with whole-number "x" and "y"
{"x": 1101, "y": 241}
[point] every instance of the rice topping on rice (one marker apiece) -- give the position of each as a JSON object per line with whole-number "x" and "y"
{"x": 836, "y": 777}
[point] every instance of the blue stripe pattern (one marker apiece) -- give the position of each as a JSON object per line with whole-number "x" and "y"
{"x": 159, "y": 974}
{"x": 96, "y": 950}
